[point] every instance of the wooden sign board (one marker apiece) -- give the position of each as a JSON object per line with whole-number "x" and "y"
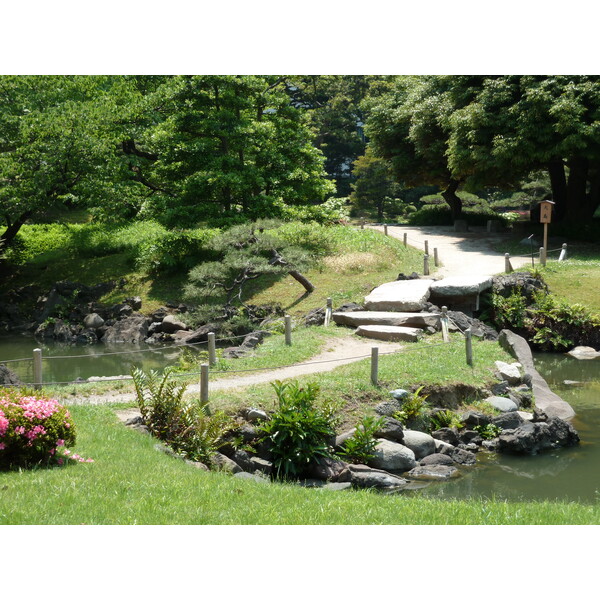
{"x": 546, "y": 211}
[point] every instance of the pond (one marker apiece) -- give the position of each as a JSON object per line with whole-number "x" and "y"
{"x": 568, "y": 474}
{"x": 90, "y": 361}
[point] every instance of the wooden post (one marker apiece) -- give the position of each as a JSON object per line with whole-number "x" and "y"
{"x": 545, "y": 242}
{"x": 362, "y": 223}
{"x": 212, "y": 351}
{"x": 507, "y": 266}
{"x": 405, "y": 239}
{"x": 444, "y": 323}
{"x": 426, "y": 265}
{"x": 375, "y": 365}
{"x": 328, "y": 312}
{"x": 37, "y": 368}
{"x": 469, "y": 347}
{"x": 385, "y": 229}
{"x": 563, "y": 253}
{"x": 427, "y": 247}
{"x": 204, "y": 383}
{"x": 436, "y": 261}
{"x": 288, "y": 330}
{"x": 543, "y": 255}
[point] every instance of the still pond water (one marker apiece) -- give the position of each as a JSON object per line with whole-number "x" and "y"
{"x": 566, "y": 474}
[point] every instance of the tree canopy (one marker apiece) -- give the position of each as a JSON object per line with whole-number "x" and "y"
{"x": 475, "y": 131}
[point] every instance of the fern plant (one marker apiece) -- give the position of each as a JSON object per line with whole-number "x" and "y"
{"x": 360, "y": 447}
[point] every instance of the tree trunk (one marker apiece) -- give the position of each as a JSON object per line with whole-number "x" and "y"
{"x": 578, "y": 205}
{"x": 558, "y": 182}
{"x": 278, "y": 260}
{"x": 10, "y": 233}
{"x": 455, "y": 203}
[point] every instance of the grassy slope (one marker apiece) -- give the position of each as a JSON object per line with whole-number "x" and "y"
{"x": 131, "y": 483}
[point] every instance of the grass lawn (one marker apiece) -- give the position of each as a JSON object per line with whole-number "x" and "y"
{"x": 132, "y": 483}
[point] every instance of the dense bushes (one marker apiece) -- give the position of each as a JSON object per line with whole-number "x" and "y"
{"x": 33, "y": 430}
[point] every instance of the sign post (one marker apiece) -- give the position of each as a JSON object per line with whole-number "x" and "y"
{"x": 545, "y": 218}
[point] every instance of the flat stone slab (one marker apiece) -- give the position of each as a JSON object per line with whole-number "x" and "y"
{"x": 389, "y": 333}
{"x": 396, "y": 319}
{"x": 584, "y": 353}
{"x": 502, "y": 404}
{"x": 461, "y": 286}
{"x": 400, "y": 296}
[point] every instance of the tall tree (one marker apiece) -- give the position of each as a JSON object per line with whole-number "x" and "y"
{"x": 218, "y": 145}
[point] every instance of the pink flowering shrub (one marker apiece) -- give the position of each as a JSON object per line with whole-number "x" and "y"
{"x": 33, "y": 429}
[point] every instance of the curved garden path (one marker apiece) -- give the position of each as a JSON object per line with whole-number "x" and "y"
{"x": 468, "y": 253}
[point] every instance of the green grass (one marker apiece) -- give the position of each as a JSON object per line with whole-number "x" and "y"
{"x": 132, "y": 483}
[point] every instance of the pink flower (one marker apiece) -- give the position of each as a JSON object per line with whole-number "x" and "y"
{"x": 89, "y": 460}
{"x": 20, "y": 430}
{"x": 2, "y": 446}
{"x": 60, "y": 443}
{"x": 60, "y": 461}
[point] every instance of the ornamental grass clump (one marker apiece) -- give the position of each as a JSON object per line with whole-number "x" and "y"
{"x": 34, "y": 430}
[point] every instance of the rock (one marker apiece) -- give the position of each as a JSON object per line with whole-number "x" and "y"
{"x": 341, "y": 439}
{"x": 433, "y": 472}
{"x": 521, "y": 396}
{"x": 420, "y": 443}
{"x": 395, "y": 319}
{"x": 531, "y": 438}
{"x": 522, "y": 283}
{"x": 135, "y": 302}
{"x": 87, "y": 336}
{"x": 442, "y": 447}
{"x": 315, "y": 317}
{"x": 133, "y": 330}
{"x": 401, "y": 296}
{"x": 194, "y": 337}
{"x": 509, "y": 420}
{"x": 388, "y": 409}
{"x": 437, "y": 458}
{"x": 220, "y": 462}
{"x": 526, "y": 416}
{"x": 261, "y": 465}
{"x": 503, "y": 404}
{"x": 501, "y": 388}
{"x": 255, "y": 415}
{"x": 584, "y": 353}
{"x": 365, "y": 477}
{"x": 470, "y": 447}
{"x": 349, "y": 307}
{"x": 391, "y": 456}
{"x": 445, "y": 434}
{"x": 471, "y": 437}
{"x": 391, "y": 429}
{"x": 463, "y": 457}
{"x": 390, "y": 333}
{"x": 403, "y": 277}
{"x": 197, "y": 465}
{"x": 171, "y": 324}
{"x": 8, "y": 377}
{"x": 508, "y": 372}
{"x": 250, "y": 476}
{"x": 93, "y": 321}
{"x": 459, "y": 321}
{"x": 327, "y": 469}
{"x": 399, "y": 394}
{"x": 460, "y": 286}
{"x": 475, "y": 419}
{"x": 338, "y": 486}
{"x": 544, "y": 397}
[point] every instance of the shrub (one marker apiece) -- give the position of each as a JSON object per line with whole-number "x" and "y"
{"x": 444, "y": 418}
{"x": 188, "y": 427}
{"x": 299, "y": 430}
{"x": 489, "y": 431}
{"x": 34, "y": 429}
{"x": 360, "y": 447}
{"x": 414, "y": 412}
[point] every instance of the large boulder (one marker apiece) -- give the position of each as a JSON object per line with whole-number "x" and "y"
{"x": 502, "y": 404}
{"x": 396, "y": 319}
{"x": 132, "y": 330}
{"x": 420, "y": 443}
{"x": 326, "y": 469}
{"x": 389, "y": 333}
{"x": 390, "y": 429}
{"x": 362, "y": 476}
{"x": 584, "y": 353}
{"x": 93, "y": 321}
{"x": 545, "y": 398}
{"x": 510, "y": 373}
{"x": 463, "y": 285}
{"x": 403, "y": 296}
{"x": 171, "y": 324}
{"x": 391, "y": 456}
{"x": 531, "y": 438}
{"x": 509, "y": 420}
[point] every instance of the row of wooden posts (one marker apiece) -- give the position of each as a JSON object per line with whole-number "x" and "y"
{"x": 542, "y": 258}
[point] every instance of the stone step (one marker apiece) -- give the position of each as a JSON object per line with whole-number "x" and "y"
{"x": 408, "y": 296}
{"x": 390, "y": 333}
{"x": 397, "y": 319}
{"x": 460, "y": 286}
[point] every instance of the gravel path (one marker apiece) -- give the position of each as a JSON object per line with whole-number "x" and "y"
{"x": 340, "y": 351}
{"x": 468, "y": 253}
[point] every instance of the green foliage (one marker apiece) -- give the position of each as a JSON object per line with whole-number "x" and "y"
{"x": 444, "y": 418}
{"x": 360, "y": 447}
{"x": 509, "y": 312}
{"x": 300, "y": 430}
{"x": 489, "y": 431}
{"x": 186, "y": 426}
{"x": 330, "y": 212}
{"x": 34, "y": 429}
{"x": 415, "y": 411}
